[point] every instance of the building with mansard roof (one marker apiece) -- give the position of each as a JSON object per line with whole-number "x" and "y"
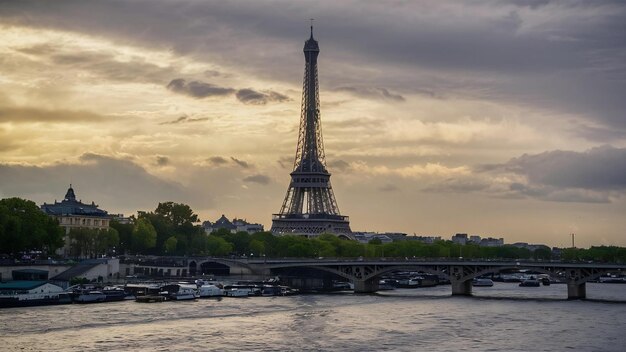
{"x": 237, "y": 225}
{"x": 73, "y": 213}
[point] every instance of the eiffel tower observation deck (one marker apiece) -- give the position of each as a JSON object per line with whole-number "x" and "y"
{"x": 310, "y": 207}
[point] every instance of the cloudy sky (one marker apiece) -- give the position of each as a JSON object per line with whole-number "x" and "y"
{"x": 497, "y": 118}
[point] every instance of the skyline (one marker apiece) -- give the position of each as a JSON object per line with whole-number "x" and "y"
{"x": 494, "y": 118}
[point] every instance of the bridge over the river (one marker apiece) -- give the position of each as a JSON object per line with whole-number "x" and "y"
{"x": 365, "y": 273}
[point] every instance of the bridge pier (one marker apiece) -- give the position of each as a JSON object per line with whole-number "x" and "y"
{"x": 576, "y": 291}
{"x": 461, "y": 288}
{"x": 365, "y": 286}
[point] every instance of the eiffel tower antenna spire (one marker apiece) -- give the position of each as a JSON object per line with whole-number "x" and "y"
{"x": 310, "y": 207}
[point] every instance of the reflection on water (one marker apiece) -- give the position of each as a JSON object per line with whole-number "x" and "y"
{"x": 540, "y": 319}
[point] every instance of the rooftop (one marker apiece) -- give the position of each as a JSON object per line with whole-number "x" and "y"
{"x": 70, "y": 206}
{"x": 21, "y": 285}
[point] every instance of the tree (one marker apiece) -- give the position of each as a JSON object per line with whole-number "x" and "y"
{"x": 178, "y": 220}
{"x": 375, "y": 241}
{"x": 257, "y": 247}
{"x": 92, "y": 243}
{"x": 170, "y": 245}
{"x": 81, "y": 242}
{"x": 217, "y": 246}
{"x": 144, "y": 236}
{"x": 177, "y": 214}
{"x": 125, "y": 234}
{"x": 23, "y": 226}
{"x": 543, "y": 253}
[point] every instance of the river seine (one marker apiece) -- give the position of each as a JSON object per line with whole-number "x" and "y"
{"x": 500, "y": 318}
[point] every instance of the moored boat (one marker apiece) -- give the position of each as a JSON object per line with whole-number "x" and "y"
{"x": 210, "y": 291}
{"x": 31, "y": 293}
{"x": 530, "y": 283}
{"x": 88, "y": 296}
{"x": 387, "y": 284}
{"x": 237, "y": 292}
{"x": 184, "y": 293}
{"x": 482, "y": 282}
{"x": 150, "y": 299}
{"x": 116, "y": 294}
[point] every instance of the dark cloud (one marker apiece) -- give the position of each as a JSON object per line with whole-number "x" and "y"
{"x": 162, "y": 160}
{"x": 108, "y": 181}
{"x": 389, "y": 188}
{"x": 499, "y": 50}
{"x": 216, "y": 74}
{"x": 241, "y": 163}
{"x": 533, "y": 4}
{"x": 184, "y": 119}
{"x": 260, "y": 179}
{"x": 197, "y": 89}
{"x": 250, "y": 96}
{"x": 285, "y": 162}
{"x": 106, "y": 65}
{"x": 553, "y": 194}
{"x": 217, "y": 160}
{"x": 373, "y": 93}
{"x": 593, "y": 176}
{"x": 598, "y": 134}
{"x": 461, "y": 185}
{"x": 30, "y": 114}
{"x": 339, "y": 165}
{"x": 601, "y": 168}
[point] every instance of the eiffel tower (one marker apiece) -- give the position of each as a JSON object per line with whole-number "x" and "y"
{"x": 310, "y": 207}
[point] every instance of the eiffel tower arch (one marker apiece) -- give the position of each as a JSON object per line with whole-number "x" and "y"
{"x": 310, "y": 207}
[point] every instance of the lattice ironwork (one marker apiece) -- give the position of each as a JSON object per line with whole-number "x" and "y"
{"x": 310, "y": 206}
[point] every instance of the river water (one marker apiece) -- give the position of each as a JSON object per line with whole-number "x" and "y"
{"x": 501, "y": 318}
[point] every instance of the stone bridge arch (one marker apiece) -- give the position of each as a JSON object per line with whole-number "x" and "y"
{"x": 575, "y": 278}
{"x": 380, "y": 271}
{"x": 235, "y": 267}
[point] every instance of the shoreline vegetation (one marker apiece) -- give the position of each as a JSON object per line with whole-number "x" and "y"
{"x": 172, "y": 230}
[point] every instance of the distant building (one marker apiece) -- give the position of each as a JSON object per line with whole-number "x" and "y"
{"x": 491, "y": 242}
{"x": 73, "y": 213}
{"x": 530, "y": 247}
{"x": 396, "y": 236}
{"x": 120, "y": 218}
{"x": 243, "y": 225}
{"x": 463, "y": 239}
{"x": 460, "y": 238}
{"x": 236, "y": 225}
{"x": 366, "y": 237}
{"x": 424, "y": 239}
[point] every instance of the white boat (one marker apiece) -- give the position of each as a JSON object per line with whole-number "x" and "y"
{"x": 237, "y": 292}
{"x": 210, "y": 291}
{"x": 31, "y": 293}
{"x": 185, "y": 293}
{"x": 412, "y": 282}
{"x": 530, "y": 283}
{"x": 479, "y": 282}
{"x": 91, "y": 297}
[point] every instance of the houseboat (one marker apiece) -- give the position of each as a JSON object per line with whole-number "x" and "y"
{"x": 31, "y": 293}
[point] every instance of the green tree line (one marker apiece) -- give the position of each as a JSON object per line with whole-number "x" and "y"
{"x": 24, "y": 227}
{"x": 608, "y": 254}
{"x": 173, "y": 229}
{"x": 328, "y": 245}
